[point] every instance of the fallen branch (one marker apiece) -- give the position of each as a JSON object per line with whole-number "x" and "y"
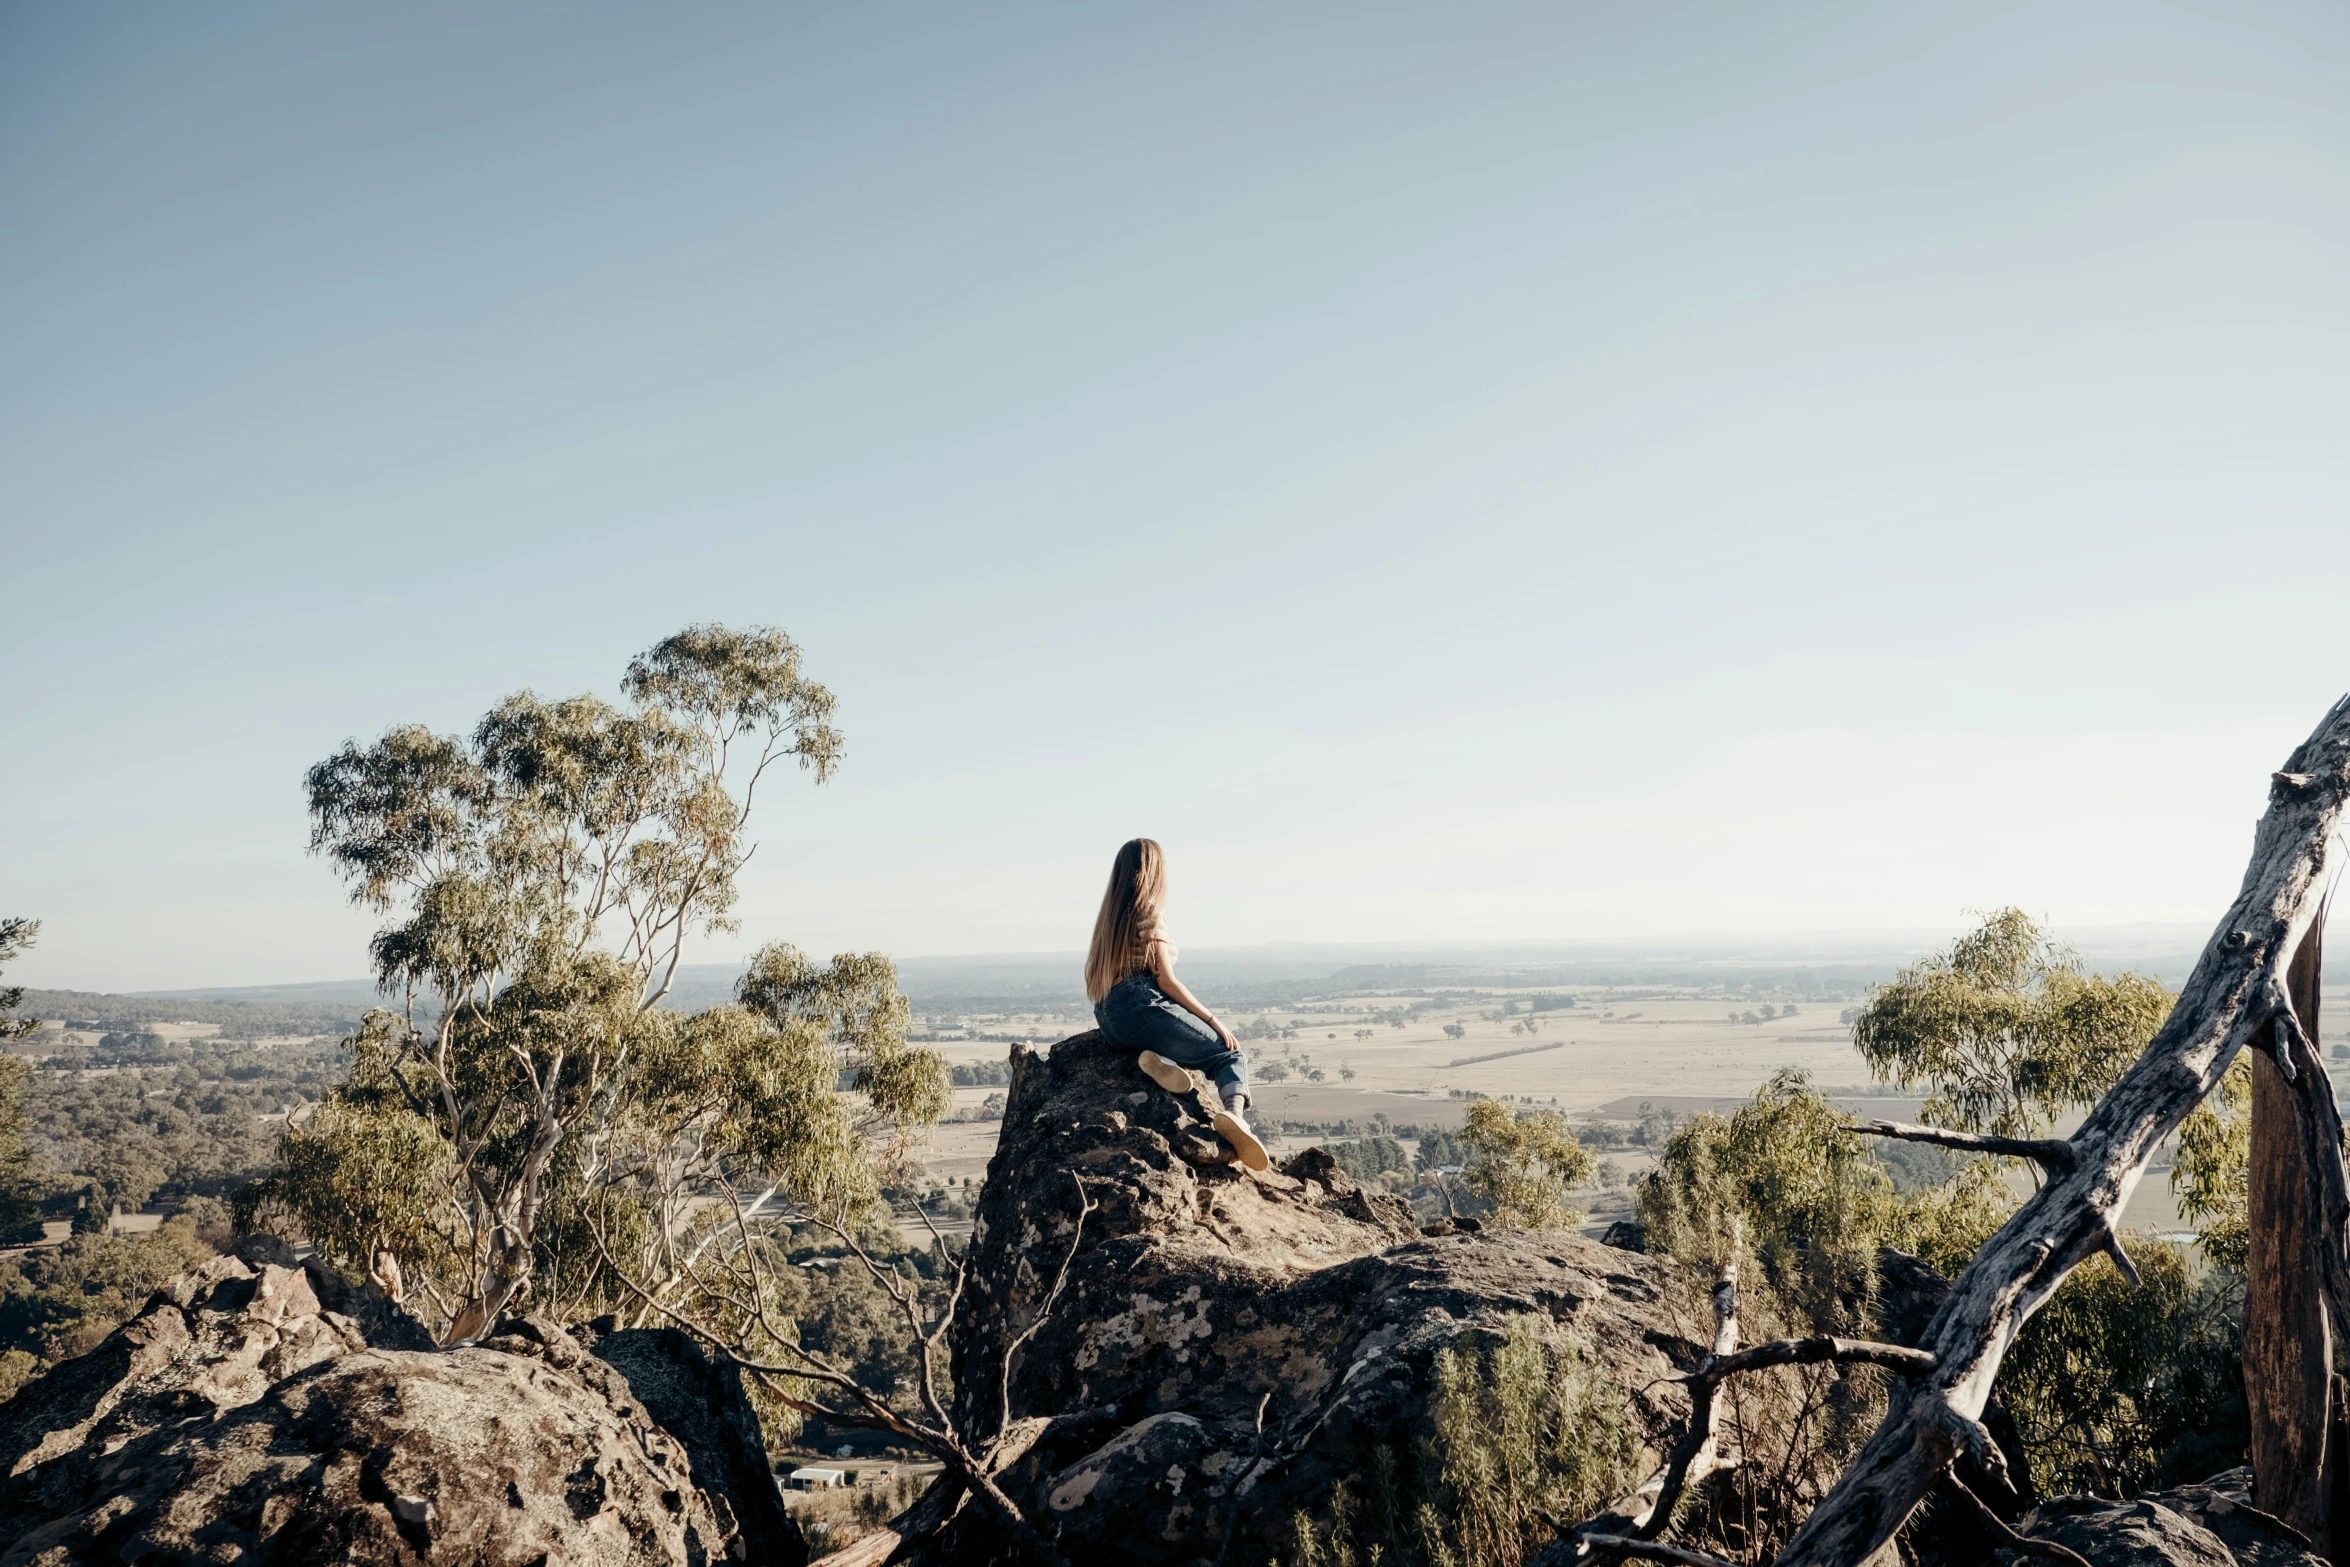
{"x": 1692, "y": 1457}
{"x": 1653, "y": 1550}
{"x": 2054, "y": 1153}
{"x": 931, "y": 1512}
{"x": 2235, "y": 997}
{"x": 1814, "y": 1351}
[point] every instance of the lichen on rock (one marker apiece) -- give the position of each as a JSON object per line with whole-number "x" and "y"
{"x": 1253, "y": 1340}
{"x": 260, "y": 1410}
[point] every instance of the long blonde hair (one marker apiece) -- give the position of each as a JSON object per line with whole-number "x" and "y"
{"x": 1129, "y": 920}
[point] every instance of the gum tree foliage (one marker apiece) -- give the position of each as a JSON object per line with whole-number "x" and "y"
{"x": 16, "y": 935}
{"x": 2006, "y": 1034}
{"x": 1785, "y": 1187}
{"x": 19, "y": 1217}
{"x": 2004, "y": 1030}
{"x": 1787, "y": 1191}
{"x": 529, "y": 1095}
{"x": 1523, "y": 1164}
{"x": 2113, "y": 1390}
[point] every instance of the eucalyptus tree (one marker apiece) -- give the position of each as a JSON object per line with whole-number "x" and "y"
{"x": 16, "y": 1205}
{"x": 1524, "y": 1164}
{"x": 528, "y": 1097}
{"x": 2005, "y": 1031}
{"x": 15, "y": 935}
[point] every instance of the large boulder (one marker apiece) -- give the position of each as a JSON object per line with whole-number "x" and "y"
{"x": 2212, "y": 1524}
{"x": 261, "y": 1411}
{"x": 1232, "y": 1344}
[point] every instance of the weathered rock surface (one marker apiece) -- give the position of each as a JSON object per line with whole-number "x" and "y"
{"x": 1199, "y": 1293}
{"x": 2212, "y": 1524}
{"x": 260, "y": 1411}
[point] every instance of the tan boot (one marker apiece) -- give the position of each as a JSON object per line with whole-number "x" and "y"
{"x": 1165, "y": 1073}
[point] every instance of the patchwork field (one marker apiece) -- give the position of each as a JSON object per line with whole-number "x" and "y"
{"x": 1604, "y": 1058}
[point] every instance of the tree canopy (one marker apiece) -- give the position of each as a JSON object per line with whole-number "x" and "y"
{"x": 16, "y": 1199}
{"x": 1524, "y": 1163}
{"x": 2005, "y": 1031}
{"x": 530, "y": 1117}
{"x": 16, "y": 934}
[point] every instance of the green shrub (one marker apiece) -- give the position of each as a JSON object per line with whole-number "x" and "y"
{"x": 2117, "y": 1390}
{"x": 1526, "y": 1430}
{"x": 1368, "y": 1158}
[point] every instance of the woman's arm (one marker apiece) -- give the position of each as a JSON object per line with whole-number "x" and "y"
{"x": 1164, "y": 973}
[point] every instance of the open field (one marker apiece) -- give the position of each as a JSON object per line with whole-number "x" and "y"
{"x": 1603, "y": 1058}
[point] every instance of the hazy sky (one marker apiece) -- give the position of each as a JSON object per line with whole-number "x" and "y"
{"x": 1447, "y": 471}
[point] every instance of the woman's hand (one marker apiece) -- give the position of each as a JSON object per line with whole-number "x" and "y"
{"x": 1230, "y": 1042}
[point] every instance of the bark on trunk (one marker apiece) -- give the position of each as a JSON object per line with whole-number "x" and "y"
{"x": 2288, "y": 1355}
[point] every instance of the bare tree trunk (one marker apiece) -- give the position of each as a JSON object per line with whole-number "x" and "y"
{"x": 2238, "y": 995}
{"x": 2288, "y": 1352}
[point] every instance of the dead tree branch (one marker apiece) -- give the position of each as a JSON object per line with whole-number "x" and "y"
{"x": 2053, "y": 1153}
{"x": 1653, "y": 1550}
{"x": 1044, "y": 1312}
{"x": 1692, "y": 1457}
{"x": 2232, "y": 999}
{"x": 791, "y": 1379}
{"x": 1814, "y": 1351}
{"x": 950, "y": 1493}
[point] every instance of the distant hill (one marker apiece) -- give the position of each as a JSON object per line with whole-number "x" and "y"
{"x": 332, "y": 1009}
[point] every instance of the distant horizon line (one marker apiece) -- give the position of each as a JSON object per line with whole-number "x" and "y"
{"x": 1519, "y": 949}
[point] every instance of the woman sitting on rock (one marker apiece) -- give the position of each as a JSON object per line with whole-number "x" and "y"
{"x": 1142, "y": 1006}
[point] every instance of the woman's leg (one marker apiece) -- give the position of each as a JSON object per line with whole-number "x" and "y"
{"x": 1152, "y": 1022}
{"x": 1229, "y": 1072}
{"x": 1188, "y": 1042}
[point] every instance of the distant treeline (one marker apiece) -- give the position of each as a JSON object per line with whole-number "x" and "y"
{"x": 1830, "y": 982}
{"x": 92, "y": 1012}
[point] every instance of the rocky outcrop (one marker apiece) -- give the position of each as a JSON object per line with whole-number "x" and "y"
{"x": 261, "y": 1411}
{"x": 2213, "y": 1524}
{"x": 1225, "y": 1346}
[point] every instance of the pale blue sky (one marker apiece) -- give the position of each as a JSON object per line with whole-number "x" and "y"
{"x": 1470, "y": 472}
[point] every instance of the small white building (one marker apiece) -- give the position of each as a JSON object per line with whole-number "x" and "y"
{"x": 816, "y": 1479}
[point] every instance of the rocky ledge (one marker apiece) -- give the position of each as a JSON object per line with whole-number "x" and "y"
{"x": 261, "y": 1411}
{"x": 1225, "y": 1346}
{"x": 2213, "y": 1524}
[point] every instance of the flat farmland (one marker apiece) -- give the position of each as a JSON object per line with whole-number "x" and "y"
{"x": 1600, "y": 1059}
{"x": 1581, "y": 1056}
{"x": 1578, "y": 1058}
